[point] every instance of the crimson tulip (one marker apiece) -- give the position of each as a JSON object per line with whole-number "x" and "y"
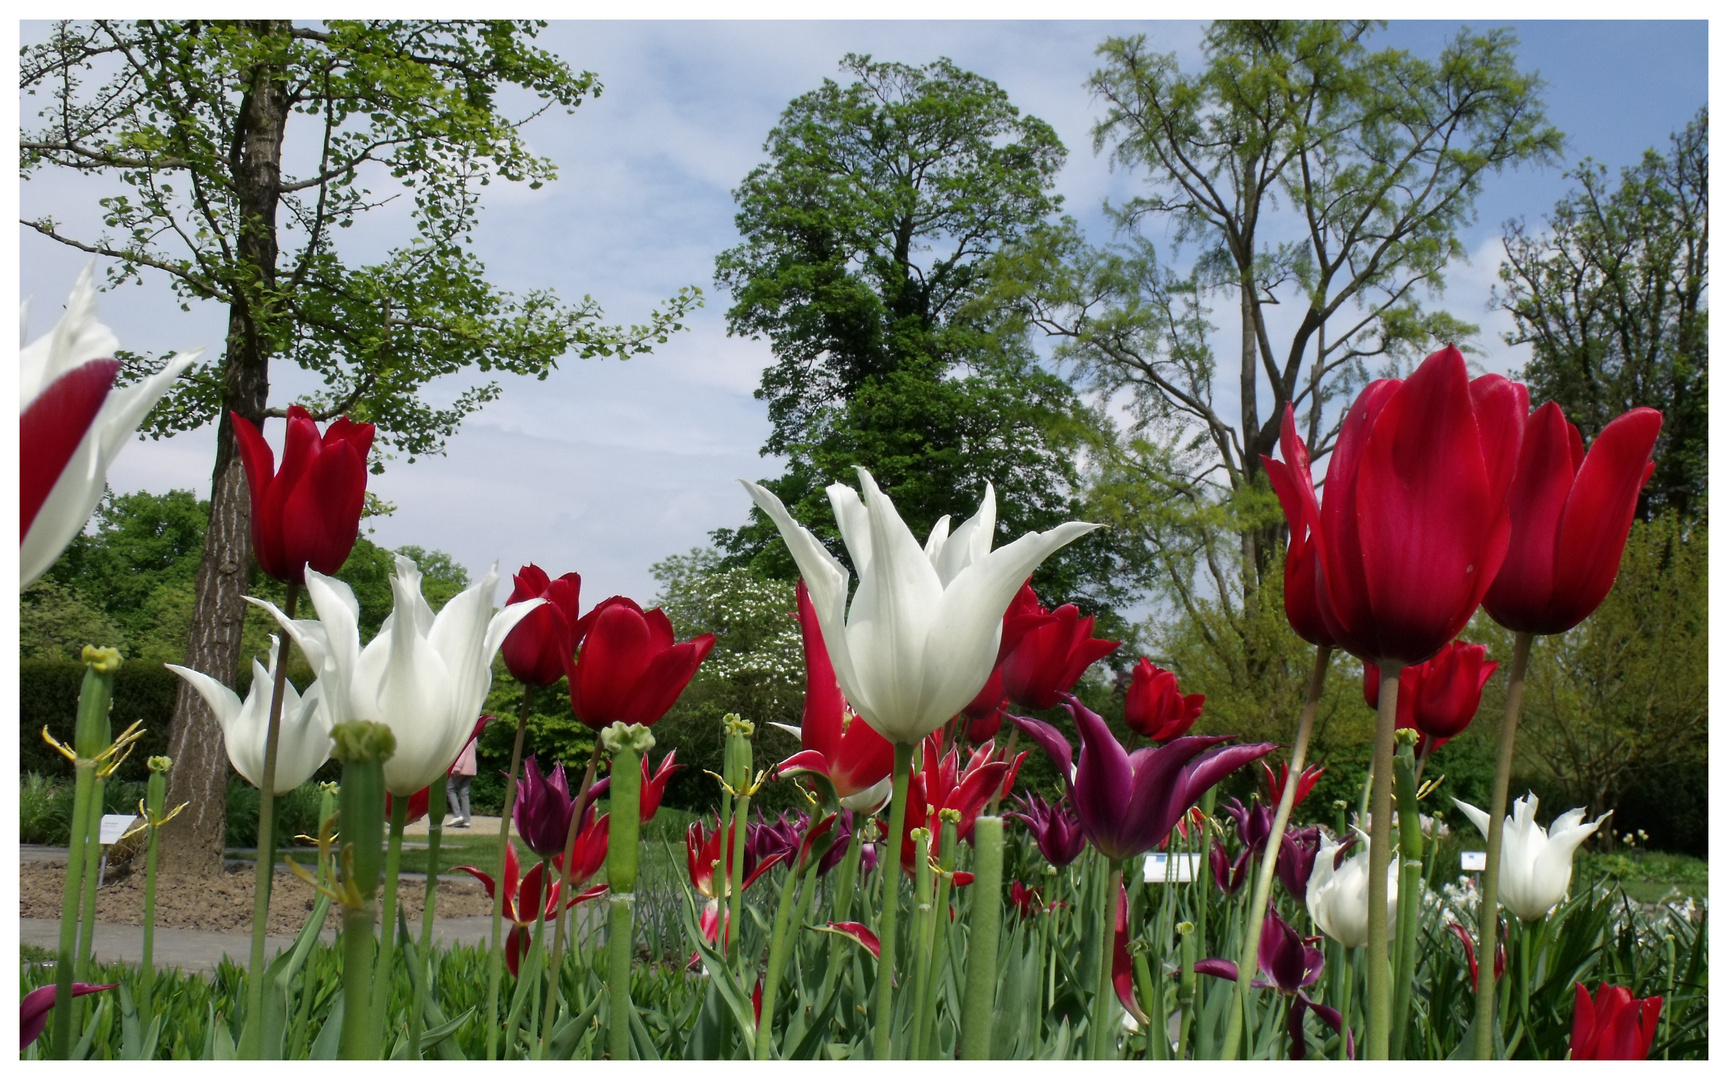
{"x": 630, "y": 670}
{"x": 1050, "y": 657}
{"x": 1415, "y": 521}
{"x": 1304, "y": 586}
{"x": 1438, "y": 697}
{"x": 1571, "y": 512}
{"x": 527, "y": 898}
{"x": 1121, "y": 964}
{"x": 1615, "y": 1026}
{"x": 1275, "y": 782}
{"x": 418, "y": 804}
{"x": 702, "y": 853}
{"x": 589, "y": 854}
{"x": 536, "y": 649}
{"x": 1470, "y": 952}
{"x": 848, "y": 760}
{"x": 543, "y": 809}
{"x": 1054, "y": 826}
{"x": 1156, "y": 706}
{"x": 984, "y": 713}
{"x": 33, "y": 1010}
{"x": 943, "y": 785}
{"x": 1029, "y": 902}
{"x": 308, "y": 514}
{"x": 653, "y": 785}
{"x": 1128, "y": 803}
{"x": 858, "y": 932}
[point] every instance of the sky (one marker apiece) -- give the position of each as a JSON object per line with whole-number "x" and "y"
{"x": 608, "y": 466}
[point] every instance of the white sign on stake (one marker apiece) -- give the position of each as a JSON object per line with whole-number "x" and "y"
{"x": 1160, "y": 869}
{"x": 114, "y": 826}
{"x": 1473, "y": 860}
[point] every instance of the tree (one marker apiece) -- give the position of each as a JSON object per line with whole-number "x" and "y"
{"x": 1308, "y": 173}
{"x": 192, "y": 119}
{"x": 1612, "y": 300}
{"x": 866, "y": 235}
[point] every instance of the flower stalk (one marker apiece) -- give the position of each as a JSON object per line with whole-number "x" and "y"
{"x": 1269, "y": 862}
{"x": 883, "y": 1020}
{"x": 979, "y": 1006}
{"x": 738, "y": 752}
{"x": 362, "y": 746}
{"x": 923, "y": 923}
{"x": 495, "y": 967}
{"x": 938, "y": 948}
{"x": 626, "y": 743}
{"x": 1487, "y": 913}
{"x": 251, "y": 1040}
{"x": 89, "y": 742}
{"x": 155, "y": 793}
{"x": 1409, "y": 888}
{"x": 1379, "y": 860}
{"x": 387, "y": 930}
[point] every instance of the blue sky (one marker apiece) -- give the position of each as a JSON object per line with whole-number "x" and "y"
{"x": 608, "y": 466}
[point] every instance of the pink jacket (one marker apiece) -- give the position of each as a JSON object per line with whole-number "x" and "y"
{"x": 465, "y": 764}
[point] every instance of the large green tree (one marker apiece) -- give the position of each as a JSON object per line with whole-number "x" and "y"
{"x": 1612, "y": 298}
{"x": 191, "y": 120}
{"x": 865, "y": 240}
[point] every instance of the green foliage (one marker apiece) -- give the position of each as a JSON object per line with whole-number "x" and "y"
{"x": 1613, "y": 301}
{"x": 48, "y": 698}
{"x": 393, "y": 108}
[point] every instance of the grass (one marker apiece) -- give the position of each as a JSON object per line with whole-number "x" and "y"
{"x": 1649, "y": 876}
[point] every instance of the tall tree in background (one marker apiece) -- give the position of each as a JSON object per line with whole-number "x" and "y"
{"x": 865, "y": 237}
{"x": 191, "y": 119}
{"x": 1612, "y": 300}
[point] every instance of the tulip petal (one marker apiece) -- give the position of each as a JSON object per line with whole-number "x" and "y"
{"x": 50, "y": 429}
{"x": 1598, "y": 515}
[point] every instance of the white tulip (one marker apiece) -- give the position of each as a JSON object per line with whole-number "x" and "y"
{"x": 75, "y": 341}
{"x": 303, "y": 739}
{"x": 920, "y": 638}
{"x": 1338, "y": 899}
{"x": 424, "y": 675}
{"x": 1535, "y": 863}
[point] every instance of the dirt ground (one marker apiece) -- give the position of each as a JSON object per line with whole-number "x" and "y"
{"x": 224, "y": 904}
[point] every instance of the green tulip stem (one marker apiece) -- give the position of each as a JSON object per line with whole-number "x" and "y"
{"x": 789, "y": 900}
{"x": 1007, "y": 755}
{"x": 264, "y": 858}
{"x": 362, "y": 747}
{"x": 889, "y": 871}
{"x": 155, "y": 794}
{"x": 936, "y": 938}
{"x": 978, "y": 1008}
{"x": 1487, "y": 921}
{"x": 1185, "y": 989}
{"x": 91, "y": 737}
{"x": 626, "y": 743}
{"x": 1409, "y": 888}
{"x": 838, "y": 955}
{"x": 738, "y": 740}
{"x": 92, "y": 877}
{"x": 1269, "y": 859}
{"x": 387, "y": 926}
{"x": 1102, "y": 1032}
{"x": 923, "y": 892}
{"x": 434, "y": 840}
{"x": 566, "y": 889}
{"x": 1347, "y": 980}
{"x": 1203, "y": 1032}
{"x": 1379, "y": 861}
{"x": 495, "y": 964}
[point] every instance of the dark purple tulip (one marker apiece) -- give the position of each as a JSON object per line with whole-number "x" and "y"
{"x": 1253, "y": 822}
{"x": 1229, "y": 874}
{"x": 781, "y": 836}
{"x": 1052, "y": 741}
{"x": 1128, "y": 803}
{"x": 543, "y": 809}
{"x": 1296, "y": 859}
{"x": 1055, "y": 827}
{"x": 1292, "y": 965}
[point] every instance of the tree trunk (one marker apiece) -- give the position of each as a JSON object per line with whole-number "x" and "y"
{"x": 200, "y": 774}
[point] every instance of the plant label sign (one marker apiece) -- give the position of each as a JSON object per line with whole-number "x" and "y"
{"x": 1473, "y": 860}
{"x": 1160, "y": 868}
{"x": 114, "y": 826}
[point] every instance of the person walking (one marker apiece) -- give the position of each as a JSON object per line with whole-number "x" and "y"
{"x": 457, "y": 785}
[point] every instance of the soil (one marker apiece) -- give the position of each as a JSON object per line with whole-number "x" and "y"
{"x": 224, "y": 904}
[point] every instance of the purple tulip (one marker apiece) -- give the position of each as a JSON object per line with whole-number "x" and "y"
{"x": 1253, "y": 822}
{"x": 1053, "y": 742}
{"x": 1292, "y": 965}
{"x": 33, "y": 1010}
{"x": 1055, "y": 827}
{"x": 1128, "y": 803}
{"x": 543, "y": 809}
{"x": 1296, "y": 859}
{"x": 1229, "y": 874}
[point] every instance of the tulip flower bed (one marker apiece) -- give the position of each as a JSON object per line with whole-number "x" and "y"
{"x": 923, "y": 904}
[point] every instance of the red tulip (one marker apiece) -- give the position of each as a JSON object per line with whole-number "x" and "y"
{"x": 653, "y": 785}
{"x": 843, "y": 755}
{"x": 1304, "y": 587}
{"x": 630, "y": 670}
{"x": 589, "y": 854}
{"x": 1438, "y": 697}
{"x": 984, "y": 714}
{"x": 707, "y": 872}
{"x": 1156, "y": 706}
{"x": 1415, "y": 522}
{"x": 1049, "y": 658}
{"x": 1470, "y": 953}
{"x": 1304, "y": 782}
{"x": 943, "y": 785}
{"x": 858, "y": 932}
{"x": 51, "y": 428}
{"x": 536, "y": 649}
{"x": 309, "y": 513}
{"x": 1571, "y": 512}
{"x": 1614, "y": 1027}
{"x": 526, "y": 899}
{"x": 1121, "y": 965}
{"x": 418, "y": 804}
